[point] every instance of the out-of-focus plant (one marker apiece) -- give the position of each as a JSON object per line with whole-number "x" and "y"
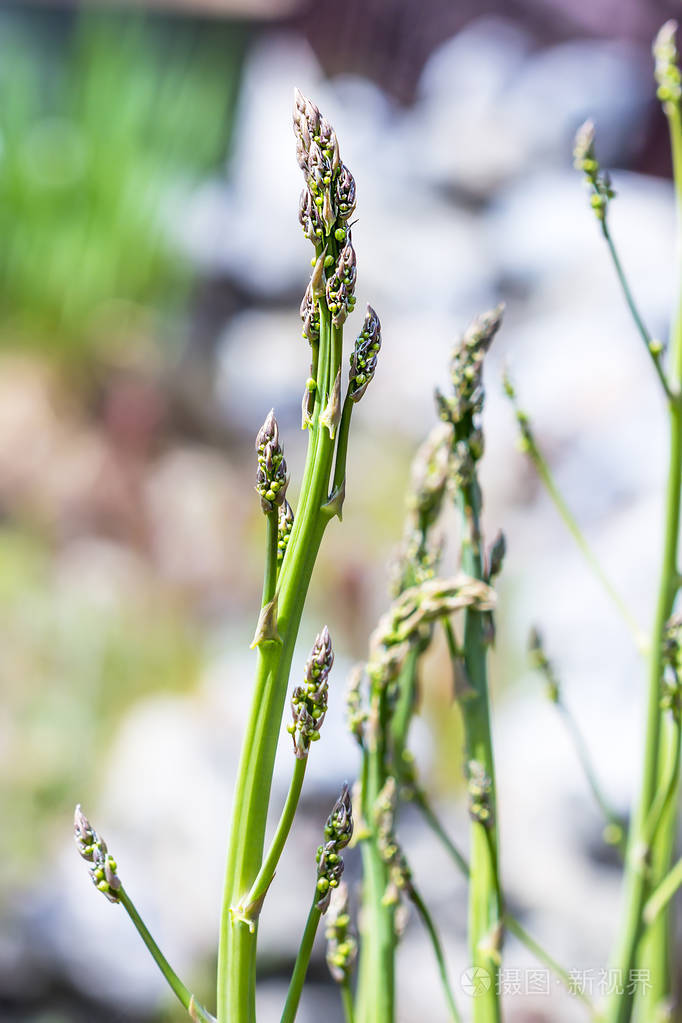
{"x": 100, "y": 135}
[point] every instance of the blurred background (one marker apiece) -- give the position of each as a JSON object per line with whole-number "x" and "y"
{"x": 151, "y": 268}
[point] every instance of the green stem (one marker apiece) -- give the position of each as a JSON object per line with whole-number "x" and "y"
{"x": 270, "y": 572}
{"x": 660, "y": 898}
{"x": 237, "y": 947}
{"x": 347, "y": 1002}
{"x": 260, "y": 886}
{"x": 510, "y": 922}
{"x": 634, "y": 311}
{"x": 342, "y": 446}
{"x": 437, "y": 951}
{"x": 301, "y": 967}
{"x": 485, "y": 909}
{"x": 515, "y": 928}
{"x": 376, "y": 989}
{"x": 184, "y": 996}
{"x": 612, "y": 818}
{"x": 545, "y": 474}
{"x": 639, "y": 879}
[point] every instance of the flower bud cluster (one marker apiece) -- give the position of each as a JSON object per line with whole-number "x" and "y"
{"x": 94, "y": 849}
{"x": 271, "y": 478}
{"x": 337, "y": 834}
{"x": 363, "y": 360}
{"x": 466, "y": 373}
{"x": 309, "y": 701}
{"x": 342, "y": 947}
{"x": 598, "y": 181}
{"x": 479, "y": 788}
{"x": 666, "y": 70}
{"x": 285, "y": 524}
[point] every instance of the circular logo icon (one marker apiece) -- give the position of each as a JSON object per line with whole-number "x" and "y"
{"x": 475, "y": 981}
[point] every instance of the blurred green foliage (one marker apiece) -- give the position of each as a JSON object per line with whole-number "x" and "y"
{"x": 103, "y": 127}
{"x": 70, "y": 666}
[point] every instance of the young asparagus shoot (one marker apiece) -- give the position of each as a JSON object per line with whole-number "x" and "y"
{"x": 326, "y": 205}
{"x": 529, "y": 446}
{"x": 601, "y": 192}
{"x": 103, "y": 874}
{"x": 338, "y": 832}
{"x": 646, "y": 868}
{"x": 461, "y": 409}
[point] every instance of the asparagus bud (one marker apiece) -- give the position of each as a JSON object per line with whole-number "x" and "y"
{"x": 466, "y": 369}
{"x": 363, "y": 360}
{"x": 496, "y": 555}
{"x": 306, "y": 127}
{"x": 310, "y": 218}
{"x": 342, "y": 948}
{"x": 94, "y": 849}
{"x": 479, "y": 787}
{"x": 284, "y": 527}
{"x": 310, "y": 315}
{"x": 584, "y": 160}
{"x": 356, "y": 713}
{"x": 430, "y": 472}
{"x": 337, "y": 834}
{"x": 399, "y": 874}
{"x": 341, "y": 284}
{"x": 309, "y": 701}
{"x": 666, "y": 71}
{"x": 541, "y": 662}
{"x": 344, "y": 194}
{"x": 271, "y": 478}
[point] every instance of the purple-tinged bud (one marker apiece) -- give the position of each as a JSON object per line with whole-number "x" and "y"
{"x": 363, "y": 360}
{"x": 309, "y": 701}
{"x": 271, "y": 478}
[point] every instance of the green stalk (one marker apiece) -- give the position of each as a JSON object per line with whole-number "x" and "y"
{"x": 376, "y": 987}
{"x": 640, "y": 877}
{"x": 301, "y": 966}
{"x": 544, "y": 472}
{"x": 185, "y": 997}
{"x": 660, "y": 898}
{"x": 485, "y": 909}
{"x": 237, "y": 948}
{"x": 437, "y": 951}
{"x": 259, "y": 888}
{"x": 616, "y": 835}
{"x": 649, "y": 342}
{"x": 347, "y": 1002}
{"x": 510, "y": 922}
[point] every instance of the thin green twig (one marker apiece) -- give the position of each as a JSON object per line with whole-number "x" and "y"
{"x": 301, "y": 967}
{"x": 437, "y": 951}
{"x": 185, "y": 997}
{"x": 662, "y": 895}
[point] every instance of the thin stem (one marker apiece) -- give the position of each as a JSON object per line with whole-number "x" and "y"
{"x": 513, "y": 925}
{"x": 612, "y": 818}
{"x": 431, "y": 819}
{"x": 638, "y": 881}
{"x": 544, "y": 472}
{"x": 376, "y": 990}
{"x": 301, "y": 967}
{"x": 485, "y": 909}
{"x": 184, "y": 996}
{"x": 510, "y": 922}
{"x": 342, "y": 446}
{"x": 437, "y": 951}
{"x": 662, "y": 895}
{"x": 666, "y": 790}
{"x": 270, "y": 572}
{"x": 237, "y": 947}
{"x": 259, "y": 888}
{"x": 649, "y": 343}
{"x": 347, "y": 1002}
